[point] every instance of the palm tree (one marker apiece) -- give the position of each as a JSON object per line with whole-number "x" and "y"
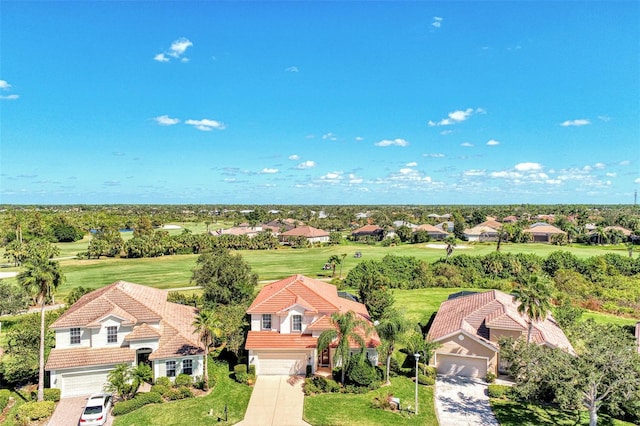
{"x": 347, "y": 327}
{"x": 41, "y": 277}
{"x": 209, "y": 328}
{"x": 391, "y": 329}
{"x": 535, "y": 300}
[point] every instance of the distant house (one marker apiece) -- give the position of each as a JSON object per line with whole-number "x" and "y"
{"x": 481, "y": 234}
{"x": 313, "y": 235}
{"x": 491, "y": 223}
{"x": 543, "y": 232}
{"x": 468, "y": 328}
{"x": 122, "y": 323}
{"x": 369, "y": 231}
{"x": 509, "y": 219}
{"x": 434, "y": 232}
{"x": 288, "y": 316}
{"x": 242, "y": 229}
{"x": 446, "y": 226}
{"x": 399, "y": 223}
{"x": 280, "y": 225}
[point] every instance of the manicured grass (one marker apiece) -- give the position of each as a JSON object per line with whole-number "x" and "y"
{"x": 510, "y": 413}
{"x": 195, "y": 411}
{"x": 336, "y": 409}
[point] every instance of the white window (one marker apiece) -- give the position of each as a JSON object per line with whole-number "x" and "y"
{"x": 187, "y": 367}
{"x": 112, "y": 334}
{"x": 74, "y": 335}
{"x": 266, "y": 321}
{"x": 297, "y": 323}
{"x": 171, "y": 368}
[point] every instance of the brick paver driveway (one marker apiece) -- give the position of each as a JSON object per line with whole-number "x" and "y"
{"x": 68, "y": 412}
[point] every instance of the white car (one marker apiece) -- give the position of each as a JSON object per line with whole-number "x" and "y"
{"x": 96, "y": 410}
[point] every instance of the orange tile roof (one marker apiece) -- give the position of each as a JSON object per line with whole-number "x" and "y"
{"x": 305, "y": 231}
{"x": 88, "y": 357}
{"x": 430, "y": 228}
{"x": 368, "y": 229}
{"x": 143, "y": 331}
{"x": 477, "y": 313}
{"x": 491, "y": 223}
{"x": 275, "y": 340}
{"x": 544, "y": 230}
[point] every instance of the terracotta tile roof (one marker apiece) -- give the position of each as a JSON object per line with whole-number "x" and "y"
{"x": 139, "y": 306}
{"x": 275, "y": 340}
{"x": 368, "y": 229}
{"x": 87, "y": 357}
{"x": 491, "y": 223}
{"x": 625, "y": 231}
{"x": 322, "y": 323}
{"x": 477, "y": 313}
{"x": 430, "y": 228}
{"x": 320, "y": 296}
{"x": 478, "y": 230}
{"x": 544, "y": 230}
{"x": 305, "y": 231}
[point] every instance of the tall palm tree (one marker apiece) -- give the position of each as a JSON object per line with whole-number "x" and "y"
{"x": 347, "y": 327}
{"x": 208, "y": 328}
{"x": 40, "y": 277}
{"x": 534, "y": 296}
{"x": 391, "y": 328}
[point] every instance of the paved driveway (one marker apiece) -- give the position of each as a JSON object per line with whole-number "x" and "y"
{"x": 276, "y": 401}
{"x": 68, "y": 412}
{"x": 463, "y": 401}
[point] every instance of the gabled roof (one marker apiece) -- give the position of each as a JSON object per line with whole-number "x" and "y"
{"x": 319, "y": 296}
{"x": 430, "y": 229}
{"x": 88, "y": 357}
{"x": 368, "y": 229}
{"x": 491, "y": 223}
{"x": 477, "y": 313}
{"x": 479, "y": 230}
{"x": 544, "y": 229}
{"x": 305, "y": 231}
{"x": 143, "y": 331}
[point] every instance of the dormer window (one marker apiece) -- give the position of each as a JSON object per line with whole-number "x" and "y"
{"x": 266, "y": 321}
{"x": 296, "y": 324}
{"x": 74, "y": 336}
{"x": 112, "y": 334}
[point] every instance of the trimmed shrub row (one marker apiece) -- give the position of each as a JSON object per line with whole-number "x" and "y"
{"x": 140, "y": 400}
{"x": 36, "y": 410}
{"x": 498, "y": 391}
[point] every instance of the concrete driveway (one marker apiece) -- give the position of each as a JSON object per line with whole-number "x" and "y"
{"x": 68, "y": 412}
{"x": 463, "y": 401}
{"x": 276, "y": 401}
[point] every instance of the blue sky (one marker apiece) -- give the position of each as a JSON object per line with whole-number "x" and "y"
{"x": 319, "y": 103}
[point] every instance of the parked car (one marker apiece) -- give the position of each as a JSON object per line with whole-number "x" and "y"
{"x": 96, "y": 410}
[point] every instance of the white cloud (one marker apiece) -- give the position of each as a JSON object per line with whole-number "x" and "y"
{"x": 394, "y": 142}
{"x": 332, "y": 177}
{"x": 329, "y": 136}
{"x": 437, "y": 22}
{"x": 637, "y": 180}
{"x": 493, "y": 142}
{"x": 4, "y": 85}
{"x": 9, "y": 97}
{"x": 294, "y": 157}
{"x": 309, "y": 164}
{"x": 599, "y": 166}
{"x": 165, "y": 120}
{"x": 611, "y": 174}
{"x": 269, "y": 171}
{"x": 291, "y": 69}
{"x": 436, "y": 155}
{"x": 444, "y": 132}
{"x": 576, "y": 123}
{"x": 354, "y": 180}
{"x": 455, "y": 117}
{"x": 411, "y": 164}
{"x": 359, "y": 138}
{"x": 205, "y": 124}
{"x": 604, "y": 118}
{"x": 474, "y": 172}
{"x": 176, "y": 50}
{"x": 527, "y": 167}
{"x": 467, "y": 144}
{"x": 624, "y": 163}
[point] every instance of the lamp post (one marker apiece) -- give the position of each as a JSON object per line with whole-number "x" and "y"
{"x": 417, "y": 357}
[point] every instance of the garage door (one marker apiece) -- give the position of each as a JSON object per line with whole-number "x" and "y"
{"x": 461, "y": 365}
{"x": 282, "y": 363}
{"x": 83, "y": 383}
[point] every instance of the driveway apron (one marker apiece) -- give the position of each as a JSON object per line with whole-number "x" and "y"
{"x": 276, "y": 401}
{"x": 68, "y": 412}
{"x": 463, "y": 401}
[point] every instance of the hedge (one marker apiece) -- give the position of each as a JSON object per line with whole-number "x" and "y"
{"x": 36, "y": 410}
{"x": 50, "y": 394}
{"x": 183, "y": 380}
{"x": 140, "y": 400}
{"x": 498, "y": 391}
{"x": 426, "y": 380}
{"x": 4, "y": 398}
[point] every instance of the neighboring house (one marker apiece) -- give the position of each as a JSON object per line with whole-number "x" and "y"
{"x": 446, "y": 226}
{"x": 287, "y": 317}
{"x": 468, "y": 328}
{"x": 481, "y": 234}
{"x": 510, "y": 219}
{"x": 122, "y": 323}
{"x": 434, "y": 232}
{"x": 542, "y": 232}
{"x": 491, "y": 223}
{"x": 313, "y": 235}
{"x": 277, "y": 226}
{"x": 368, "y": 231}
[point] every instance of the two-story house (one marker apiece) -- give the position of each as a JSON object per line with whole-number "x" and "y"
{"x": 122, "y": 323}
{"x": 469, "y": 327}
{"x": 287, "y": 317}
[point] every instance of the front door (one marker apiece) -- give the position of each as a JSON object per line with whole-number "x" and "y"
{"x": 142, "y": 357}
{"x": 323, "y": 358}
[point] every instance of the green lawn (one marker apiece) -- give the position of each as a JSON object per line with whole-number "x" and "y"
{"x": 195, "y": 411}
{"x": 511, "y": 413}
{"x": 334, "y": 409}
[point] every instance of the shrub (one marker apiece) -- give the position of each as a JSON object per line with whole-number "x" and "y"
{"x": 355, "y": 389}
{"x": 360, "y": 372}
{"x": 382, "y": 402}
{"x": 4, "y": 398}
{"x": 164, "y": 381}
{"x": 140, "y": 400}
{"x": 50, "y": 394}
{"x": 310, "y": 387}
{"x": 240, "y": 368}
{"x": 36, "y": 410}
{"x": 161, "y": 389}
{"x": 430, "y": 371}
{"x": 309, "y": 371}
{"x": 183, "y": 380}
{"x": 426, "y": 380}
{"x": 498, "y": 391}
{"x": 252, "y": 369}
{"x": 490, "y": 377}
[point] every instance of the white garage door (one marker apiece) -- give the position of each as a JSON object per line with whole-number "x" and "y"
{"x": 282, "y": 363}
{"x": 461, "y": 365}
{"x": 83, "y": 383}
